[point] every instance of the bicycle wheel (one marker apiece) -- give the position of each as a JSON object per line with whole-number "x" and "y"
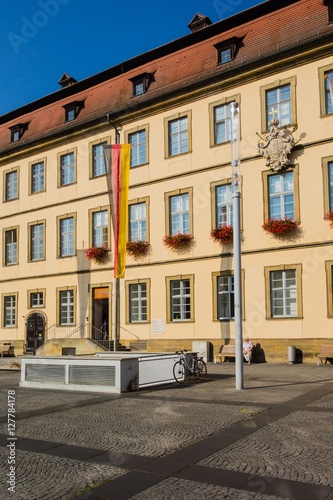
{"x": 200, "y": 370}
{"x": 179, "y": 372}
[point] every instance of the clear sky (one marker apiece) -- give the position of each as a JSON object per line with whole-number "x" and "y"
{"x": 42, "y": 39}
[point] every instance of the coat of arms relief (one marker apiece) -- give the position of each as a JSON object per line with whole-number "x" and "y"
{"x": 277, "y": 144}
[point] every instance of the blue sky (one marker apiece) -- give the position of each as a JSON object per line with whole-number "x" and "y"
{"x": 42, "y": 39}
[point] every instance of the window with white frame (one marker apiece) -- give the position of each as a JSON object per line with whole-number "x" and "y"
{"x": 281, "y": 196}
{"x": 100, "y": 230}
{"x": 138, "y": 222}
{"x": 138, "y": 142}
{"x": 179, "y": 214}
{"x": 279, "y": 105}
{"x": 37, "y": 244}
{"x": 328, "y": 95}
{"x": 137, "y": 296}
{"x": 222, "y": 123}
{"x": 283, "y": 289}
{"x": 66, "y": 307}
{"x": 224, "y": 204}
{"x": 11, "y": 180}
{"x": 10, "y": 246}
{"x": 67, "y": 169}
{"x": 9, "y": 311}
{"x": 38, "y": 177}
{"x": 180, "y": 300}
{"x": 66, "y": 236}
{"x": 36, "y": 298}
{"x": 225, "y": 297}
{"x": 178, "y": 136}
{"x": 98, "y": 159}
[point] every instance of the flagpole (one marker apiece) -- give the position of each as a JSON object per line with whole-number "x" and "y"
{"x": 236, "y": 196}
{"x": 116, "y": 292}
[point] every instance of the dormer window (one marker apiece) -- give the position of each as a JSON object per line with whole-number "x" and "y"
{"x": 227, "y": 50}
{"x": 17, "y": 131}
{"x": 72, "y": 110}
{"x": 329, "y": 5}
{"x": 141, "y": 83}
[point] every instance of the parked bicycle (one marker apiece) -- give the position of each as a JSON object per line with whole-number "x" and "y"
{"x": 181, "y": 368}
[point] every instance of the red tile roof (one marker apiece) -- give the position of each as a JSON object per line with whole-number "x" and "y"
{"x": 266, "y": 35}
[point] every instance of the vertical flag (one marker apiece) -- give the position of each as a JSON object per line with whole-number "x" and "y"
{"x": 117, "y": 159}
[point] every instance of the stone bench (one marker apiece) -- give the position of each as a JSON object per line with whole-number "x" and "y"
{"x": 326, "y": 351}
{"x": 6, "y": 349}
{"x": 226, "y": 351}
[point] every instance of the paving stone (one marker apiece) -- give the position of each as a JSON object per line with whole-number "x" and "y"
{"x": 40, "y": 476}
{"x": 297, "y": 447}
{"x": 189, "y": 490}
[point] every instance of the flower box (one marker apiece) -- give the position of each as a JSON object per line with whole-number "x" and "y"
{"x": 178, "y": 241}
{"x": 222, "y": 234}
{"x": 279, "y": 227}
{"x": 137, "y": 248}
{"x": 329, "y": 216}
{"x": 96, "y": 254}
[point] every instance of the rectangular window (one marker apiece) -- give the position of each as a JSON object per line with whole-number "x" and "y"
{"x": 225, "y": 297}
{"x": 9, "y": 312}
{"x": 37, "y": 241}
{"x": 138, "y": 142}
{"x": 10, "y": 250}
{"x": 66, "y": 310}
{"x": 67, "y": 169}
{"x": 180, "y": 300}
{"x": 137, "y": 222}
{"x": 224, "y": 204}
{"x": 330, "y": 184}
{"x": 67, "y": 236}
{"x": 100, "y": 229}
{"x": 281, "y": 196}
{"x": 37, "y": 177}
{"x": 178, "y": 136}
{"x": 137, "y": 302}
{"x": 222, "y": 124}
{"x": 11, "y": 180}
{"x": 36, "y": 299}
{"x": 283, "y": 293}
{"x": 278, "y": 105}
{"x": 179, "y": 214}
{"x": 225, "y": 55}
{"x": 98, "y": 159}
{"x": 328, "y": 96}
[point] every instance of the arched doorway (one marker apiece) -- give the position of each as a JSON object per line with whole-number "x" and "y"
{"x": 35, "y": 332}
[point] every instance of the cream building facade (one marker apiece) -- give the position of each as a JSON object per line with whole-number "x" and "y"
{"x": 173, "y": 106}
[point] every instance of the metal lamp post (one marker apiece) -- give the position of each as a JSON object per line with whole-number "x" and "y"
{"x": 236, "y": 196}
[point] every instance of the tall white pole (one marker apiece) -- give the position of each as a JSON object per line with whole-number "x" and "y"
{"x": 236, "y": 197}
{"x": 116, "y": 292}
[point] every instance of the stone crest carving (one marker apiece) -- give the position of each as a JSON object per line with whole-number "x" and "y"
{"x": 277, "y": 144}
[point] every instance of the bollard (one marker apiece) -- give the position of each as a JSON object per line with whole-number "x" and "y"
{"x": 291, "y": 355}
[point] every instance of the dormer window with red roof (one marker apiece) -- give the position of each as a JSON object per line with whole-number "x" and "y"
{"x": 17, "y": 131}
{"x": 227, "y": 50}
{"x": 72, "y": 110}
{"x": 141, "y": 83}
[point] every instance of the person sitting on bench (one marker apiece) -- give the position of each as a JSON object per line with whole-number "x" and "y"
{"x": 247, "y": 350}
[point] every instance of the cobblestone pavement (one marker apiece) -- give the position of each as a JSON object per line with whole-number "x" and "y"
{"x": 271, "y": 441}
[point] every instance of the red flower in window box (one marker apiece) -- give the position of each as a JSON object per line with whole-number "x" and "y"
{"x": 329, "y": 216}
{"x": 137, "y": 248}
{"x": 222, "y": 234}
{"x": 96, "y": 254}
{"x": 279, "y": 227}
{"x": 178, "y": 241}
